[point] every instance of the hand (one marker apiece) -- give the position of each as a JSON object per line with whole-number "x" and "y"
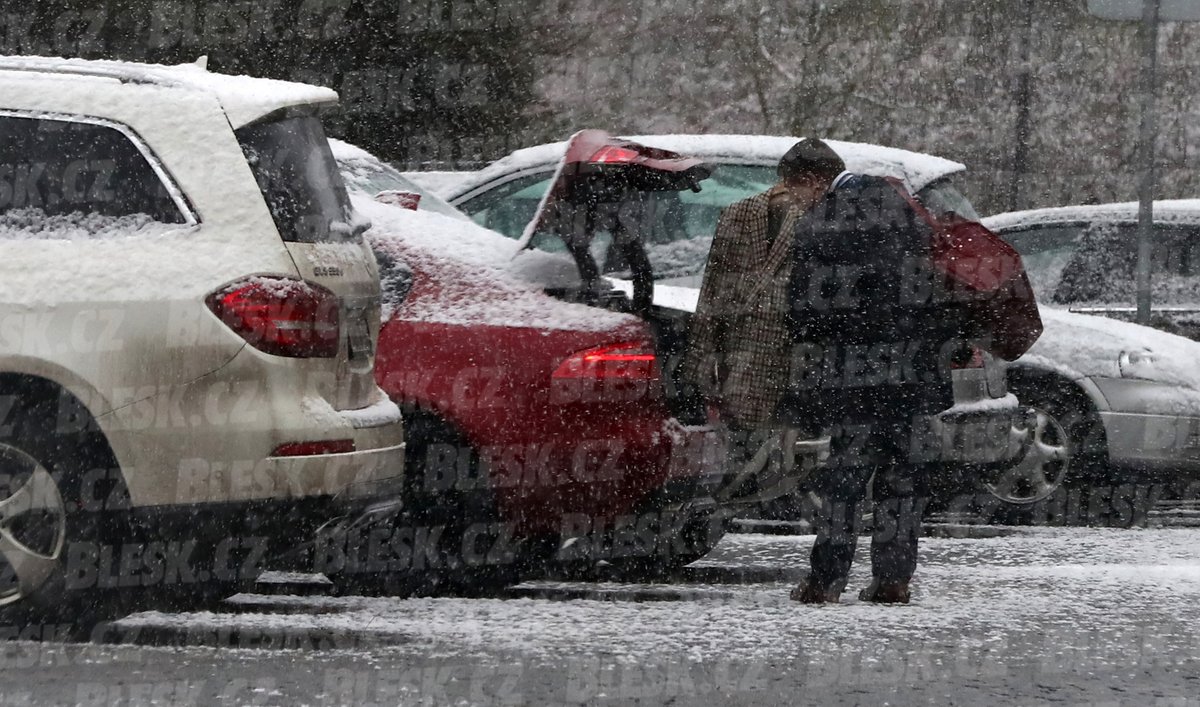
{"x": 693, "y": 406}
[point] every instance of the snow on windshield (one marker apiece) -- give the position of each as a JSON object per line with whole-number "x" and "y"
{"x": 471, "y": 275}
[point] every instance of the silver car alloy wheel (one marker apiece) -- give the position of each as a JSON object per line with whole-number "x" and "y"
{"x": 33, "y": 525}
{"x": 1042, "y": 469}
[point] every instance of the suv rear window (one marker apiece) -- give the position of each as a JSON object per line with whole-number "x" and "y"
{"x": 298, "y": 177}
{"x": 68, "y": 179}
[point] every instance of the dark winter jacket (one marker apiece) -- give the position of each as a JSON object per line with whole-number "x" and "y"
{"x": 865, "y": 340}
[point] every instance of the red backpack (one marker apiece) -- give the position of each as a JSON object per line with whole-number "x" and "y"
{"x": 986, "y": 273}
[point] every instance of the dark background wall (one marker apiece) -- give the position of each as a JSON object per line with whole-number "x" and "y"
{"x": 420, "y": 80}
{"x": 1037, "y": 98}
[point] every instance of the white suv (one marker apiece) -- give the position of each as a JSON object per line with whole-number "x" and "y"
{"x": 188, "y": 318}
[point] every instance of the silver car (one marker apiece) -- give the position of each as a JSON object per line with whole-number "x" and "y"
{"x": 1113, "y": 399}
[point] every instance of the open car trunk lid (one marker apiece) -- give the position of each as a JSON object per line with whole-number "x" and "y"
{"x": 600, "y": 186}
{"x": 599, "y": 207}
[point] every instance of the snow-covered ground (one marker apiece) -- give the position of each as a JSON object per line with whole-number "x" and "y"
{"x": 1034, "y": 582}
{"x": 1062, "y": 615}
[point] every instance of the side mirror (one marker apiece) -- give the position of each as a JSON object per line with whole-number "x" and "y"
{"x": 404, "y": 199}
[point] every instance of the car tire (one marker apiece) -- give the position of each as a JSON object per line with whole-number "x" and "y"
{"x": 54, "y": 516}
{"x": 1067, "y": 450}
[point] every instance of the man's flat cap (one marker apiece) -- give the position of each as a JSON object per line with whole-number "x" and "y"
{"x": 811, "y": 157}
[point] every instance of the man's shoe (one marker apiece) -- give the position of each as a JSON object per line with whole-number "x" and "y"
{"x": 808, "y": 594}
{"x": 885, "y": 592}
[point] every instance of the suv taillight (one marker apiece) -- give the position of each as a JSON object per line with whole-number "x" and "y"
{"x": 281, "y": 316}
{"x": 631, "y": 360}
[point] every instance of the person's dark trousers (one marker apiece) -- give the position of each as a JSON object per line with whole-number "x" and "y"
{"x": 860, "y": 448}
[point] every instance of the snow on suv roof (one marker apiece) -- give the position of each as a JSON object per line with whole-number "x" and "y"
{"x": 244, "y": 98}
{"x": 1185, "y": 211}
{"x": 918, "y": 170}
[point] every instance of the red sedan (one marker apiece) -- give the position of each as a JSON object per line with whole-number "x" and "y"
{"x": 536, "y": 425}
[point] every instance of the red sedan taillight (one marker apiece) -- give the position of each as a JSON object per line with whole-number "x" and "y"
{"x": 614, "y": 373}
{"x": 281, "y": 316}
{"x": 612, "y": 154}
{"x": 628, "y": 361}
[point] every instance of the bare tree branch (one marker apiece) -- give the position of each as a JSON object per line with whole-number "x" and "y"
{"x": 766, "y": 53}
{"x": 889, "y": 105}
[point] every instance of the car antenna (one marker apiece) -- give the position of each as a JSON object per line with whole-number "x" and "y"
{"x": 202, "y": 62}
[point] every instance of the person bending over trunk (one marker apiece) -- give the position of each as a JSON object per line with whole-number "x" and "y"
{"x": 872, "y": 350}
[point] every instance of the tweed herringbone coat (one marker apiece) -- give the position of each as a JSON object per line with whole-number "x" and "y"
{"x": 738, "y": 339}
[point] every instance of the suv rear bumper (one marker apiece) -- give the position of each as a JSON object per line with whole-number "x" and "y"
{"x": 194, "y": 547}
{"x": 217, "y": 444}
{"x": 227, "y": 522}
{"x": 377, "y": 459}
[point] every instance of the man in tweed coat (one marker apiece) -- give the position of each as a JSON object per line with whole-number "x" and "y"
{"x": 738, "y": 339}
{"x": 750, "y": 314}
{"x": 738, "y": 356}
